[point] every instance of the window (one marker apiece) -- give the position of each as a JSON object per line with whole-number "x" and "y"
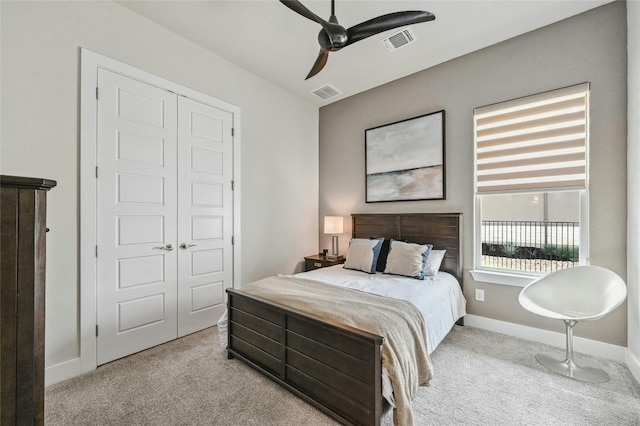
{"x": 531, "y": 182}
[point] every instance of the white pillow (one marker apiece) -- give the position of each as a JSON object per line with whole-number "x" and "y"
{"x": 363, "y": 254}
{"x": 407, "y": 259}
{"x": 433, "y": 263}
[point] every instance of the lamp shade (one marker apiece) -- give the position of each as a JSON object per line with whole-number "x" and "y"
{"x": 333, "y": 224}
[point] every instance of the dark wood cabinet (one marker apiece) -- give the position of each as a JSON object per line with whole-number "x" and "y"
{"x": 23, "y": 210}
{"x": 317, "y": 261}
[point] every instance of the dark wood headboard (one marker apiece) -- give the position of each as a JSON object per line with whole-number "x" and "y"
{"x": 442, "y": 230}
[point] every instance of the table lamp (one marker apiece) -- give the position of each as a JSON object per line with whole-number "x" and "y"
{"x": 333, "y": 225}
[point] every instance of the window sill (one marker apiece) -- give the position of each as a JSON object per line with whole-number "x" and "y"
{"x": 503, "y": 278}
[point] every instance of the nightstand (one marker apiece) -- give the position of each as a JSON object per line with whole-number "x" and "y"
{"x": 317, "y": 261}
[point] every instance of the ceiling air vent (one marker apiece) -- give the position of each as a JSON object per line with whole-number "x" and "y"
{"x": 399, "y": 39}
{"x": 326, "y": 92}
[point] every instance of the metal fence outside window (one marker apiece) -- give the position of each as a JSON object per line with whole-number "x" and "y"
{"x": 534, "y": 246}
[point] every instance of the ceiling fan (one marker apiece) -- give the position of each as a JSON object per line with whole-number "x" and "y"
{"x": 333, "y": 36}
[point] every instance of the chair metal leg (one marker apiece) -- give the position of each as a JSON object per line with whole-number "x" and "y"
{"x": 586, "y": 372}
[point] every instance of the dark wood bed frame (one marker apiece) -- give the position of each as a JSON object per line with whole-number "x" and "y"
{"x": 334, "y": 367}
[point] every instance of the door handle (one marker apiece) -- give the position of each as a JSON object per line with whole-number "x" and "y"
{"x": 185, "y": 246}
{"x": 168, "y": 247}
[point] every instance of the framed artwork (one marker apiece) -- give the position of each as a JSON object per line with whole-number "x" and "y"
{"x": 405, "y": 160}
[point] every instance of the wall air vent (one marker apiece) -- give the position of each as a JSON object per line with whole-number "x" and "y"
{"x": 327, "y": 91}
{"x": 399, "y": 39}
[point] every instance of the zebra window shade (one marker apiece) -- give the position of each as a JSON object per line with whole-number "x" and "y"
{"x": 537, "y": 142}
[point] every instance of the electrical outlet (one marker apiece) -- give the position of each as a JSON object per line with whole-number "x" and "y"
{"x": 479, "y": 295}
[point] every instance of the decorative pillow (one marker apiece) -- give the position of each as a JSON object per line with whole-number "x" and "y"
{"x": 382, "y": 258}
{"x": 407, "y": 259}
{"x": 433, "y": 264}
{"x": 362, "y": 254}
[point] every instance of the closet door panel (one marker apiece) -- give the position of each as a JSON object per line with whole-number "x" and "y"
{"x": 137, "y": 197}
{"x": 205, "y": 213}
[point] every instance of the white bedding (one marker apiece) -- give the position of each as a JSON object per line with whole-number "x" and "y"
{"x": 439, "y": 299}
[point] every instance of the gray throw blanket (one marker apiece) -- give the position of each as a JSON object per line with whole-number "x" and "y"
{"x": 404, "y": 352}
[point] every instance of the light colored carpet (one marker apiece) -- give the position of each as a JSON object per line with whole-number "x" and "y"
{"x": 481, "y": 378}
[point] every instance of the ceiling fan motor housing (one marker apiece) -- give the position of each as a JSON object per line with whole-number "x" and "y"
{"x": 332, "y": 42}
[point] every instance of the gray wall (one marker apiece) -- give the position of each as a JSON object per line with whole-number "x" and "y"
{"x": 588, "y": 47}
{"x": 633, "y": 179}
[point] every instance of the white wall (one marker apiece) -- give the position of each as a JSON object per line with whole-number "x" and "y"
{"x": 633, "y": 182}
{"x": 40, "y": 72}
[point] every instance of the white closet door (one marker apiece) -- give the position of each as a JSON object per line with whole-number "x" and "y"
{"x": 205, "y": 214}
{"x": 136, "y": 230}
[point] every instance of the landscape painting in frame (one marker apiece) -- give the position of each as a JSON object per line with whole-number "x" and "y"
{"x": 405, "y": 160}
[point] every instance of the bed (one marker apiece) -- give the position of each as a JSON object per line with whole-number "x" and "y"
{"x": 334, "y": 366}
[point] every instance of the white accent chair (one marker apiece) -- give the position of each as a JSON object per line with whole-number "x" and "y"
{"x": 583, "y": 293}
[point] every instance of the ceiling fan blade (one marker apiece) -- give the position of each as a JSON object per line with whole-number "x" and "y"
{"x": 300, "y": 9}
{"x": 321, "y": 61}
{"x": 386, "y": 22}
{"x": 335, "y": 32}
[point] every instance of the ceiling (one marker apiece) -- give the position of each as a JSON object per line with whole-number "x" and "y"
{"x": 273, "y": 42}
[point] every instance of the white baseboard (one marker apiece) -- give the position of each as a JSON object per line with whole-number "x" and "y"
{"x": 634, "y": 365}
{"x": 581, "y": 345}
{"x": 63, "y": 371}
{"x": 72, "y": 368}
